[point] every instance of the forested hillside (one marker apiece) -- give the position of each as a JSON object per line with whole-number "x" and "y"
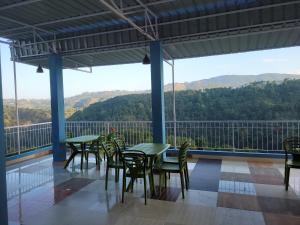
{"x": 26, "y": 116}
{"x": 257, "y": 101}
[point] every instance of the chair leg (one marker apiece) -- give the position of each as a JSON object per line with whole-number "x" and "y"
{"x": 145, "y": 189}
{"x": 169, "y": 175}
{"x": 160, "y": 184}
{"x": 187, "y": 173}
{"x": 287, "y": 178}
{"x": 182, "y": 183}
{"x": 87, "y": 159}
{"x": 116, "y": 175}
{"x": 186, "y": 179}
{"x": 106, "y": 176}
{"x": 165, "y": 180}
{"x": 132, "y": 182}
{"x": 124, "y": 185}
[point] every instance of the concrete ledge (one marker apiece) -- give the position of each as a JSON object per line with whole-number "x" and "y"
{"x": 10, "y": 160}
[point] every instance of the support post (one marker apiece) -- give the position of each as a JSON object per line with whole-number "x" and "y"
{"x": 157, "y": 93}
{"x": 57, "y": 107}
{"x": 3, "y": 195}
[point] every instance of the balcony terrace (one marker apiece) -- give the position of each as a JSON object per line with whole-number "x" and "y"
{"x": 225, "y": 188}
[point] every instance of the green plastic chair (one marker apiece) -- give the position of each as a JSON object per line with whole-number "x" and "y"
{"x": 95, "y": 149}
{"x": 177, "y": 167}
{"x": 291, "y": 146}
{"x": 135, "y": 165}
{"x": 120, "y": 143}
{"x": 174, "y": 160}
{"x": 77, "y": 146}
{"x": 113, "y": 160}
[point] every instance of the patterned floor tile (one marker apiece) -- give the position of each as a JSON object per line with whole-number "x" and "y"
{"x": 232, "y": 166}
{"x": 280, "y": 219}
{"x": 168, "y": 194}
{"x": 237, "y": 187}
{"x": 275, "y": 191}
{"x": 237, "y": 201}
{"x": 206, "y": 175}
{"x": 266, "y": 175}
{"x": 242, "y": 177}
{"x": 225, "y": 216}
{"x": 69, "y": 187}
{"x": 279, "y": 205}
{"x": 196, "y": 197}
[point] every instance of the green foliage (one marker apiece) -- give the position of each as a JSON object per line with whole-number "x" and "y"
{"x": 257, "y": 101}
{"x": 26, "y": 116}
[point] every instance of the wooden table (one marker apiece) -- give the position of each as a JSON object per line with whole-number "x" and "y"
{"x": 153, "y": 151}
{"x": 82, "y": 140}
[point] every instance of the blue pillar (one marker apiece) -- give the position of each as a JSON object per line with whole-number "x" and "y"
{"x": 3, "y": 196}
{"x": 57, "y": 107}
{"x": 157, "y": 93}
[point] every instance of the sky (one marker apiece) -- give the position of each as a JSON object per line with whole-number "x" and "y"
{"x": 31, "y": 85}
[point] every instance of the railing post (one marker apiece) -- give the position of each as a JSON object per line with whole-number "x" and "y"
{"x": 233, "y": 144}
{"x": 17, "y": 107}
{"x": 108, "y": 128}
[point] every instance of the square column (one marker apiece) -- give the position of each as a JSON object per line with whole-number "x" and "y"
{"x": 57, "y": 107}
{"x": 157, "y": 93}
{"x": 3, "y": 196}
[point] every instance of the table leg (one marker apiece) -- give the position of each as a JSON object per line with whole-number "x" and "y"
{"x": 74, "y": 153}
{"x": 152, "y": 186}
{"x": 72, "y": 156}
{"x": 82, "y": 155}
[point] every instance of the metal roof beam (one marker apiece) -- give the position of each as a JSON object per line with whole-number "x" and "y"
{"x": 23, "y": 3}
{"x": 26, "y": 25}
{"x": 129, "y": 10}
{"x": 119, "y": 13}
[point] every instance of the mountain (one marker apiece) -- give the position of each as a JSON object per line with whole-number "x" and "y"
{"x": 232, "y": 81}
{"x": 257, "y": 101}
{"x": 85, "y": 99}
{"x": 75, "y": 102}
{"x": 26, "y": 116}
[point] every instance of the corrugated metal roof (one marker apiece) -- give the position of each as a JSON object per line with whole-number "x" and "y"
{"x": 88, "y": 32}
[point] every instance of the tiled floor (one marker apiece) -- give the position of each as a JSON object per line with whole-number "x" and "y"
{"x": 221, "y": 192}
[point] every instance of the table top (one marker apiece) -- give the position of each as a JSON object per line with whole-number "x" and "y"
{"x": 82, "y": 139}
{"x": 150, "y": 149}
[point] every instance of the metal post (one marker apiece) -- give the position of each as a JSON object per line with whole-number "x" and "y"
{"x": 17, "y": 106}
{"x": 174, "y": 102}
{"x": 157, "y": 93}
{"x": 3, "y": 194}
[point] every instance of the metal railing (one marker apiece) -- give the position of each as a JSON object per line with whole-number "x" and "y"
{"x": 27, "y": 137}
{"x": 219, "y": 135}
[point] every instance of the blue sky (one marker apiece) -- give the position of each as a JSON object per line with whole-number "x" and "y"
{"x": 137, "y": 76}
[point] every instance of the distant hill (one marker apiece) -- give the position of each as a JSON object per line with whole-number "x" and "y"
{"x": 232, "y": 81}
{"x": 257, "y": 101}
{"x": 75, "y": 102}
{"x": 26, "y": 116}
{"x": 79, "y": 102}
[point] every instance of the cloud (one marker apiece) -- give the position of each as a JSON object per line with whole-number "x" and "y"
{"x": 273, "y": 60}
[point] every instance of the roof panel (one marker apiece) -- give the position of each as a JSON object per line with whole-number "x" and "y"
{"x": 187, "y": 28}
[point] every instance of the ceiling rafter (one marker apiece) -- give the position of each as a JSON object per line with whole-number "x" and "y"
{"x": 127, "y": 11}
{"x": 18, "y": 4}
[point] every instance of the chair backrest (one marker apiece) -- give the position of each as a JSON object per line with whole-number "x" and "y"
{"x": 182, "y": 154}
{"x": 120, "y": 144}
{"x": 291, "y": 145}
{"x": 110, "y": 151}
{"x": 134, "y": 161}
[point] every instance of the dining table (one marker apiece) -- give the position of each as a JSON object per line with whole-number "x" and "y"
{"x": 153, "y": 151}
{"x": 78, "y": 146}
